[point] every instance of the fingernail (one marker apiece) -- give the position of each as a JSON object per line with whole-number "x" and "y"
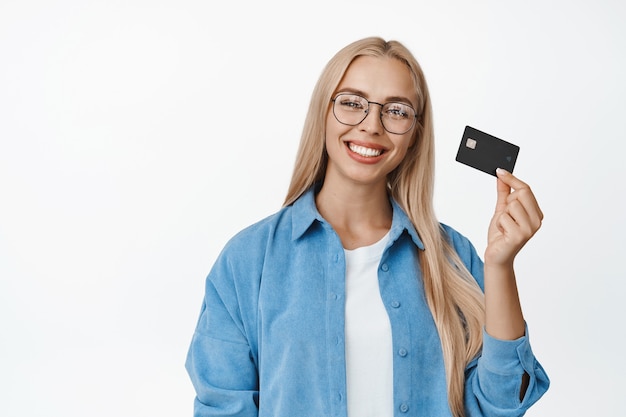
{"x": 501, "y": 171}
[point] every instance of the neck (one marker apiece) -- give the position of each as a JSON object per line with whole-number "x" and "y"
{"x": 361, "y": 215}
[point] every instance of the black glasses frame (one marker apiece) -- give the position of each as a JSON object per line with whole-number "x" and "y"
{"x": 366, "y": 113}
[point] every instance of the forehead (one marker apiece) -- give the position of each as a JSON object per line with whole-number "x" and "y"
{"x": 379, "y": 78}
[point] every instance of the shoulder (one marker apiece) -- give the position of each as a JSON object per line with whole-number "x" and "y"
{"x": 460, "y": 243}
{"x": 466, "y": 252}
{"x": 278, "y": 230}
{"x": 251, "y": 240}
{"x": 239, "y": 266}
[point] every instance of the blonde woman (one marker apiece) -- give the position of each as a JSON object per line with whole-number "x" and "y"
{"x": 353, "y": 300}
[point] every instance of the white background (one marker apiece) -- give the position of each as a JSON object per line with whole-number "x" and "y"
{"x": 136, "y": 137}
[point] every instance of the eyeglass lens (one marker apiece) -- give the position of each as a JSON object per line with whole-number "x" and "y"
{"x": 352, "y": 109}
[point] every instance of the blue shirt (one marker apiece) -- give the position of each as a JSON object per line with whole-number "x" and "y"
{"x": 270, "y": 338}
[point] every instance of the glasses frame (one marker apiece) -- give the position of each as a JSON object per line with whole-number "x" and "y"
{"x": 366, "y": 112}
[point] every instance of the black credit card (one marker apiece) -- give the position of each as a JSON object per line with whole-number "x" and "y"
{"x": 485, "y": 152}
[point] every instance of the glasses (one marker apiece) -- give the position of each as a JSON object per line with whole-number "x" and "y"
{"x": 352, "y": 109}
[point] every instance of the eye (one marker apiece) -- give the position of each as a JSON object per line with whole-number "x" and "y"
{"x": 398, "y": 111}
{"x": 350, "y": 102}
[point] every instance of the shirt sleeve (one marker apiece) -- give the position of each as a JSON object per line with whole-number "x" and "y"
{"x": 220, "y": 361}
{"x": 494, "y": 379}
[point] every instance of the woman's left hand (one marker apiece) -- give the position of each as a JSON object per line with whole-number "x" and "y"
{"x": 516, "y": 219}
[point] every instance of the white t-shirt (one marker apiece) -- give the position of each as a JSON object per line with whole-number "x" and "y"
{"x": 369, "y": 359}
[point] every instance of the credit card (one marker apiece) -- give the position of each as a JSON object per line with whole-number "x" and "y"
{"x": 485, "y": 152}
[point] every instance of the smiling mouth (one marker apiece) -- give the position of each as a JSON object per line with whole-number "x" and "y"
{"x": 363, "y": 151}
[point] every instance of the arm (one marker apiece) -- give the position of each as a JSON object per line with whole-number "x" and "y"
{"x": 506, "y": 379}
{"x": 220, "y": 361}
{"x": 492, "y": 380}
{"x": 516, "y": 219}
{"x": 506, "y": 350}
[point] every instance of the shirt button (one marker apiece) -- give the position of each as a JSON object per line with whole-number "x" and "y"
{"x": 404, "y": 407}
{"x": 333, "y": 296}
{"x": 384, "y": 267}
{"x": 402, "y": 352}
{"x": 395, "y": 304}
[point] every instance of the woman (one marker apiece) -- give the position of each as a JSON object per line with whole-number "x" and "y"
{"x": 353, "y": 300}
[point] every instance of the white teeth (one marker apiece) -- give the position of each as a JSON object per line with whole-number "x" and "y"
{"x": 363, "y": 151}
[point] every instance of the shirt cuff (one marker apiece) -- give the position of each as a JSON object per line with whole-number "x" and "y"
{"x": 507, "y": 357}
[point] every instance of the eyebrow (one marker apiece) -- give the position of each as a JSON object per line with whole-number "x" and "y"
{"x": 390, "y": 99}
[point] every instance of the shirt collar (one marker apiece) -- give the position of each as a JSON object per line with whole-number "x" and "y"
{"x": 401, "y": 222}
{"x": 305, "y": 214}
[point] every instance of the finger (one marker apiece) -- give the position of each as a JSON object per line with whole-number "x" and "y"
{"x": 527, "y": 224}
{"x": 510, "y": 179}
{"x": 527, "y": 199}
{"x": 522, "y": 192}
{"x": 508, "y": 227}
{"x": 503, "y": 193}
{"x": 506, "y": 222}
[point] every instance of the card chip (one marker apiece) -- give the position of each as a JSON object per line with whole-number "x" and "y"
{"x": 471, "y": 143}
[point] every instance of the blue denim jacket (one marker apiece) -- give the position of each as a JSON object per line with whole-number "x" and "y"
{"x": 270, "y": 338}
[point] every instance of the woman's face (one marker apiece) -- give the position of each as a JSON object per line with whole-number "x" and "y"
{"x": 366, "y": 153}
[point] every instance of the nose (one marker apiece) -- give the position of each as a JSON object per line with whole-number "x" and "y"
{"x": 372, "y": 123}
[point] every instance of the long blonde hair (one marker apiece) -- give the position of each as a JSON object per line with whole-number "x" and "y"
{"x": 454, "y": 297}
